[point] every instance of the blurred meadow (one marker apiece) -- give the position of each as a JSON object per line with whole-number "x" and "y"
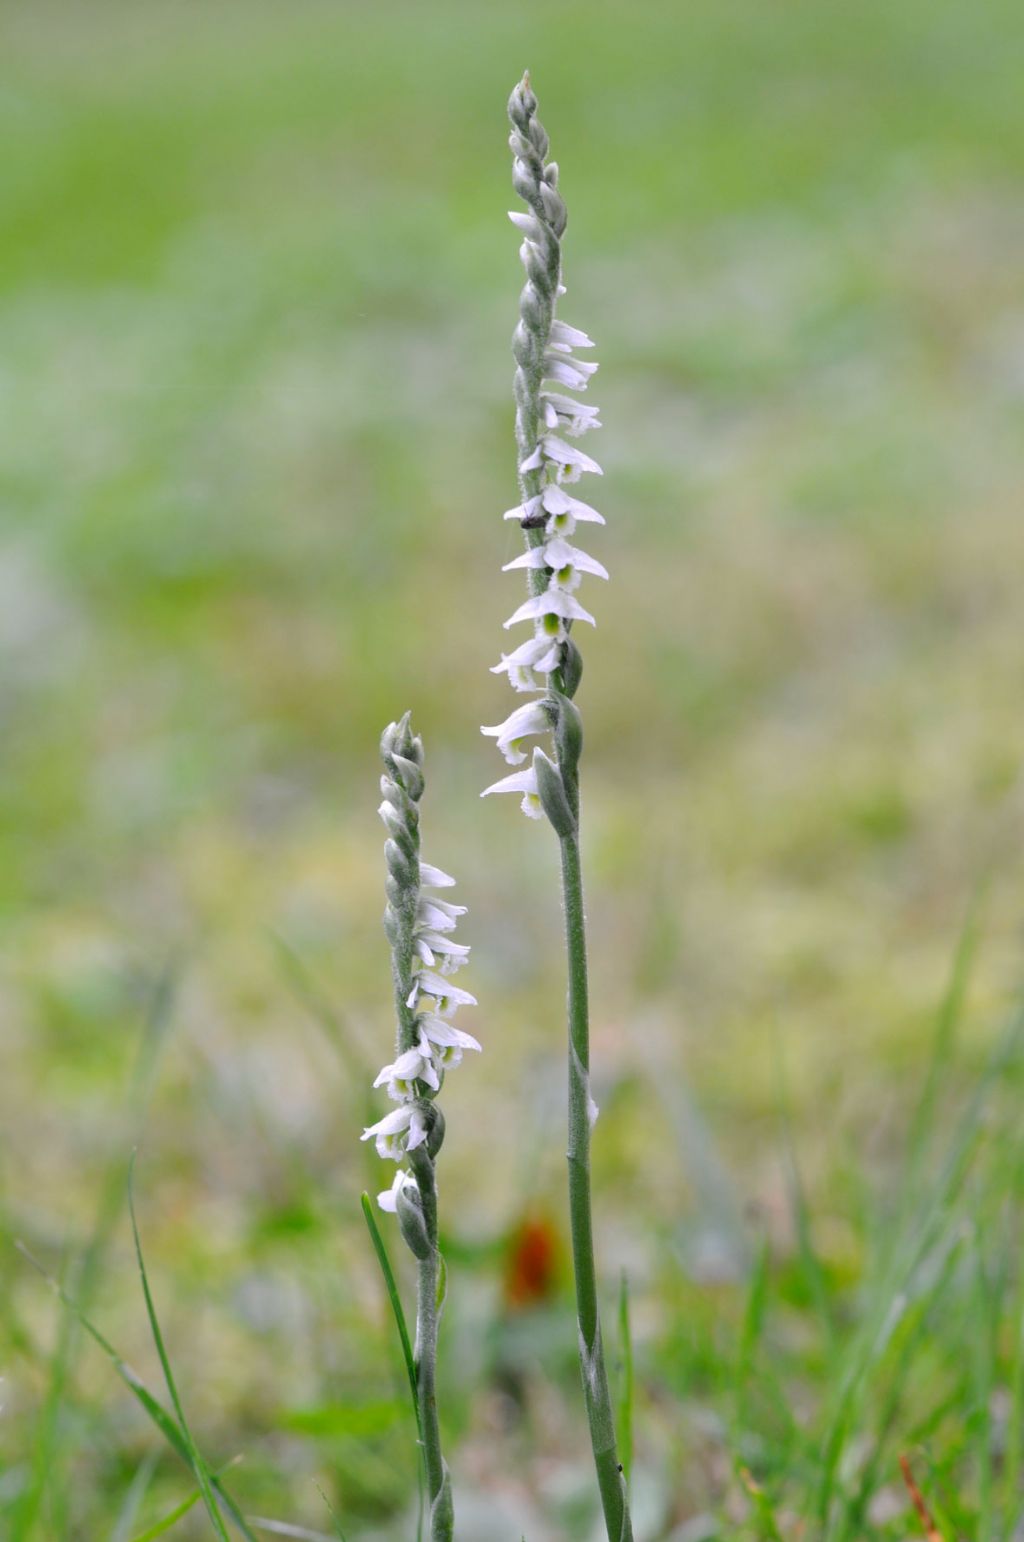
{"x": 256, "y": 292}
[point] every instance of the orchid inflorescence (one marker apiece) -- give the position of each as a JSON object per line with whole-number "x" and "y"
{"x": 424, "y": 956}
{"x": 546, "y": 421}
{"x": 419, "y": 925}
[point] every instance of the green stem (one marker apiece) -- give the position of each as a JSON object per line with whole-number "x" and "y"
{"x": 595, "y": 1379}
{"x": 428, "y": 1313}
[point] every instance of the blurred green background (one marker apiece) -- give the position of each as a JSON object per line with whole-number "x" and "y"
{"x": 256, "y": 291}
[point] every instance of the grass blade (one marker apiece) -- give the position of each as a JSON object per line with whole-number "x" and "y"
{"x": 396, "y": 1303}
{"x": 137, "y": 1387}
{"x": 391, "y": 1286}
{"x": 85, "y": 1270}
{"x": 624, "y": 1419}
{"x": 196, "y": 1462}
{"x": 133, "y": 1499}
{"x": 170, "y": 1519}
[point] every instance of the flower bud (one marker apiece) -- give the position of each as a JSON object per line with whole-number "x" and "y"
{"x": 572, "y": 668}
{"x": 551, "y": 790}
{"x": 413, "y": 1226}
{"x": 568, "y": 737}
{"x": 410, "y": 775}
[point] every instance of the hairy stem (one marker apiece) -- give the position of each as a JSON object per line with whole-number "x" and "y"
{"x": 595, "y": 1379}
{"x": 428, "y": 1314}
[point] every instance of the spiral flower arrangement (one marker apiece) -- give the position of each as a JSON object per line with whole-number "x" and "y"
{"x": 424, "y": 954}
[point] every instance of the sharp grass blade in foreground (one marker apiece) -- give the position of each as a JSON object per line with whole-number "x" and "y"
{"x": 85, "y": 1270}
{"x": 395, "y": 1300}
{"x": 155, "y": 1410}
{"x": 547, "y": 425}
{"x": 424, "y": 956}
{"x": 197, "y": 1463}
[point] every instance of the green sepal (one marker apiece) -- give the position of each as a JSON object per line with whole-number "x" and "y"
{"x": 412, "y": 1223}
{"x": 568, "y": 737}
{"x": 553, "y": 796}
{"x": 571, "y": 668}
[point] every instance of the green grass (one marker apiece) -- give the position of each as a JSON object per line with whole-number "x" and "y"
{"x": 256, "y": 289}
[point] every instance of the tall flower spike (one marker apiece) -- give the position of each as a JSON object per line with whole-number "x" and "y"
{"x": 548, "y": 424}
{"x": 424, "y": 955}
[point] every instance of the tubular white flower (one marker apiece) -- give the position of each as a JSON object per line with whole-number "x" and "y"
{"x": 388, "y": 1200}
{"x": 433, "y": 948}
{"x": 573, "y": 417}
{"x": 550, "y": 603}
{"x": 564, "y": 338}
{"x": 534, "y": 717}
{"x": 445, "y": 995}
{"x": 540, "y": 653}
{"x": 437, "y": 915}
{"x": 412, "y": 1066}
{"x": 398, "y": 1132}
{"x": 524, "y": 782}
{"x": 565, "y": 511}
{"x": 574, "y": 373}
{"x": 566, "y": 562}
{"x": 434, "y": 878}
{"x": 447, "y": 1040}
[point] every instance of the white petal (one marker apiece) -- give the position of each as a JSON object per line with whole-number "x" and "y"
{"x": 434, "y": 878}
{"x": 519, "y": 781}
{"x": 565, "y": 336}
{"x": 526, "y": 223}
{"x": 524, "y": 782}
{"x": 534, "y": 558}
{"x": 388, "y": 1200}
{"x": 445, "y": 944}
{"x": 560, "y": 554}
{"x": 428, "y": 914}
{"x": 417, "y": 1130}
{"x": 433, "y": 906}
{"x": 435, "y": 985}
{"x": 568, "y": 454}
{"x": 523, "y": 510}
{"x": 439, "y": 1031}
{"x": 525, "y": 656}
{"x": 533, "y": 461}
{"x": 558, "y": 501}
{"x": 534, "y": 717}
{"x": 575, "y": 417}
{"x": 553, "y": 602}
{"x": 568, "y": 372}
{"x": 391, "y": 1124}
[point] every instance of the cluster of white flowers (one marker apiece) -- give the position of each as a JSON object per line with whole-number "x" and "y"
{"x": 437, "y": 1044}
{"x": 548, "y": 512}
